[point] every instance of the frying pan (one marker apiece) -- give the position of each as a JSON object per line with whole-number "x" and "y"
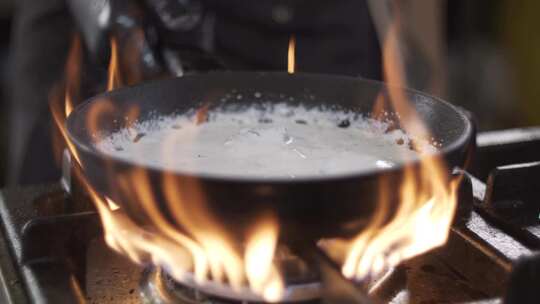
{"x": 306, "y": 207}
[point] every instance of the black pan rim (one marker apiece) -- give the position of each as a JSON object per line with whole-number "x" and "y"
{"x": 454, "y": 146}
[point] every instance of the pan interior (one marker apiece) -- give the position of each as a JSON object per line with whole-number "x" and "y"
{"x": 217, "y": 90}
{"x": 262, "y": 140}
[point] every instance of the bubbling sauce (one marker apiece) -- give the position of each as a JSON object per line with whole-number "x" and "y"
{"x": 273, "y": 141}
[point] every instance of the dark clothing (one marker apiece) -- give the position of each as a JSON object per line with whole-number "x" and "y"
{"x": 333, "y": 36}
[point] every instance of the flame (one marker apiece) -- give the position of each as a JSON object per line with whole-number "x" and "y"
{"x": 114, "y": 80}
{"x": 62, "y": 107}
{"x": 69, "y": 105}
{"x": 77, "y": 290}
{"x": 420, "y": 224}
{"x": 73, "y": 75}
{"x": 210, "y": 255}
{"x": 201, "y": 115}
{"x": 291, "y": 55}
{"x": 59, "y": 120}
{"x": 98, "y": 111}
{"x": 427, "y": 196}
{"x": 260, "y": 250}
{"x": 125, "y": 236}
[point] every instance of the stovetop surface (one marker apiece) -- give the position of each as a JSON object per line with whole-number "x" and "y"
{"x": 51, "y": 269}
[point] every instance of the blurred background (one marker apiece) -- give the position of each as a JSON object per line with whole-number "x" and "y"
{"x": 490, "y": 63}
{"x": 6, "y": 16}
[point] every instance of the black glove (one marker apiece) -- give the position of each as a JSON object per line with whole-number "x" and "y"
{"x": 137, "y": 27}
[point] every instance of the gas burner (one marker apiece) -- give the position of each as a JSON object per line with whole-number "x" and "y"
{"x": 157, "y": 287}
{"x": 302, "y": 284}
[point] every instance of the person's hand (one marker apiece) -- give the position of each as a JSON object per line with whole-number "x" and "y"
{"x": 122, "y": 22}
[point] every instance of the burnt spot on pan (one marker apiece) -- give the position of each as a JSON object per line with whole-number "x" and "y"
{"x": 265, "y": 120}
{"x": 345, "y": 123}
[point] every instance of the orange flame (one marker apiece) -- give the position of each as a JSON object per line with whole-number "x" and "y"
{"x": 291, "y": 55}
{"x": 73, "y": 75}
{"x": 62, "y": 107}
{"x": 260, "y": 249}
{"x": 59, "y": 121}
{"x": 69, "y": 105}
{"x": 202, "y": 114}
{"x": 210, "y": 255}
{"x": 427, "y": 197}
{"x": 114, "y": 80}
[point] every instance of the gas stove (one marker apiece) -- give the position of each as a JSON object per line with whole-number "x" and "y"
{"x": 53, "y": 249}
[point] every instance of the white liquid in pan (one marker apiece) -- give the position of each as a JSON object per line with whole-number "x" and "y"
{"x": 284, "y": 141}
